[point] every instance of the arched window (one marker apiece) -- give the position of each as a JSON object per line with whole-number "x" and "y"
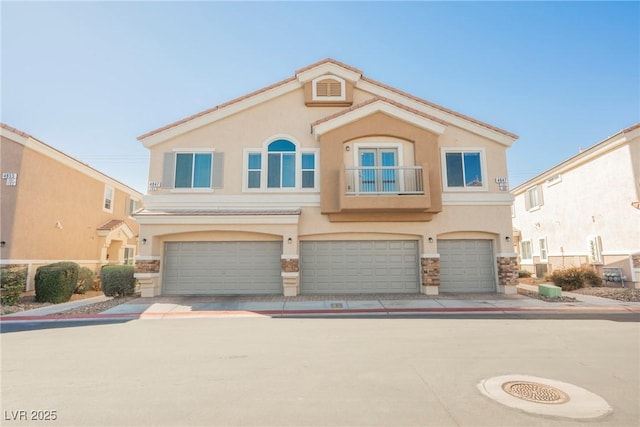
{"x": 281, "y": 164}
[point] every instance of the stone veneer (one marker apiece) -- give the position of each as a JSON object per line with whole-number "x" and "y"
{"x": 290, "y": 265}
{"x": 430, "y": 269}
{"x": 148, "y": 266}
{"x": 508, "y": 271}
{"x": 635, "y": 260}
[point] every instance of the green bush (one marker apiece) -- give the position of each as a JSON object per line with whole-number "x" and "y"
{"x": 571, "y": 278}
{"x": 56, "y": 282}
{"x": 117, "y": 280}
{"x": 524, "y": 273}
{"x": 12, "y": 283}
{"x": 86, "y": 277}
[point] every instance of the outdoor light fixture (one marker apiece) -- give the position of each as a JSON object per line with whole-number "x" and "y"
{"x": 347, "y": 148}
{"x": 289, "y": 240}
{"x": 144, "y": 241}
{"x": 2, "y": 244}
{"x": 507, "y": 238}
{"x": 430, "y": 239}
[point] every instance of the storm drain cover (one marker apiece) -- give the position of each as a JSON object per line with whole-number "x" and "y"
{"x": 544, "y": 396}
{"x": 535, "y": 392}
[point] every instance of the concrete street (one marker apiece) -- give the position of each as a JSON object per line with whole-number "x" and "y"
{"x": 263, "y": 371}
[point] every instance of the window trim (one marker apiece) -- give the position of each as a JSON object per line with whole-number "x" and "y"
{"x": 314, "y": 89}
{"x": 111, "y": 200}
{"x": 264, "y": 159}
{"x": 133, "y": 254}
{"x": 190, "y": 150}
{"x": 523, "y": 260}
{"x": 544, "y": 260}
{"x": 130, "y": 210}
{"x": 537, "y": 189}
{"x": 463, "y": 150}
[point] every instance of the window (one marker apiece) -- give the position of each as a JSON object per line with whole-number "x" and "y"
{"x": 132, "y": 206}
{"x": 281, "y": 164}
{"x": 543, "y": 250}
{"x": 197, "y": 170}
{"x": 128, "y": 255}
{"x": 533, "y": 198}
{"x": 594, "y": 244}
{"x": 328, "y": 88}
{"x": 254, "y": 169}
{"x": 525, "y": 251}
{"x": 193, "y": 170}
{"x": 308, "y": 170}
{"x": 464, "y": 169}
{"x": 108, "y": 199}
{"x": 378, "y": 170}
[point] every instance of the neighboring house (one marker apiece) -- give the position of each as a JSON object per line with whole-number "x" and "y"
{"x": 55, "y": 208}
{"x": 584, "y": 211}
{"x": 327, "y": 182}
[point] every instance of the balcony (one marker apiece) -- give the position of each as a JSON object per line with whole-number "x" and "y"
{"x": 384, "y": 190}
{"x": 383, "y": 180}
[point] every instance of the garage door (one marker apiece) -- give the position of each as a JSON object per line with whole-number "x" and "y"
{"x": 339, "y": 267}
{"x": 466, "y": 266}
{"x": 217, "y": 268}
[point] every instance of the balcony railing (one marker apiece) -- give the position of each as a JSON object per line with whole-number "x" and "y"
{"x": 385, "y": 180}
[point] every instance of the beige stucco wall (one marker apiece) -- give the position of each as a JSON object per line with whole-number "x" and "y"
{"x": 54, "y": 211}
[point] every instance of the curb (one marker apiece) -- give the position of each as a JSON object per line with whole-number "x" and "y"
{"x": 285, "y": 313}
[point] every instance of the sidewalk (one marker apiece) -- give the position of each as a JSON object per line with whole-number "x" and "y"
{"x": 278, "y": 306}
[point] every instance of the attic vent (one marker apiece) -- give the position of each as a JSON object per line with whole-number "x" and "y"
{"x": 328, "y": 87}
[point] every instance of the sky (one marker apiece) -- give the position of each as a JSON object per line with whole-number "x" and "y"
{"x": 88, "y": 78}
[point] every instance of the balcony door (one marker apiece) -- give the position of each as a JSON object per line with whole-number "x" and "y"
{"x": 378, "y": 170}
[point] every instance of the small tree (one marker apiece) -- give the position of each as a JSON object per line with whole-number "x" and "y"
{"x": 12, "y": 283}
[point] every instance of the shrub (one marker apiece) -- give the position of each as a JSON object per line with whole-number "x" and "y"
{"x": 86, "y": 277}
{"x": 12, "y": 283}
{"x": 571, "y": 278}
{"x": 117, "y": 280}
{"x": 524, "y": 273}
{"x": 56, "y": 282}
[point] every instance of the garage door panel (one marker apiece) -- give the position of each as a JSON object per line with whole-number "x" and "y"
{"x": 466, "y": 266}
{"x": 359, "y": 267}
{"x": 217, "y": 268}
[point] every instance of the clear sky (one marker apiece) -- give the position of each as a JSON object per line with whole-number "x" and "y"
{"x": 90, "y": 77}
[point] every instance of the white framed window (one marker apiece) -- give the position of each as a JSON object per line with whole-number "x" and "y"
{"x": 328, "y": 88}
{"x": 193, "y": 169}
{"x": 544, "y": 254}
{"x": 594, "y": 247}
{"x": 128, "y": 255}
{"x": 108, "y": 199}
{"x": 464, "y": 169}
{"x": 533, "y": 198}
{"x": 132, "y": 206}
{"x": 280, "y": 166}
{"x": 526, "y": 256}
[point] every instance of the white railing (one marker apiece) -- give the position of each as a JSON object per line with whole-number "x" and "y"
{"x": 370, "y": 180}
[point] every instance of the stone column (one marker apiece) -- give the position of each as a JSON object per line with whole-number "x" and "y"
{"x": 635, "y": 270}
{"x": 290, "y": 275}
{"x": 147, "y": 272}
{"x": 507, "y": 273}
{"x": 430, "y": 273}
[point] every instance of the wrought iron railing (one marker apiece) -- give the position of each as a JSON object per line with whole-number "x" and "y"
{"x": 386, "y": 180}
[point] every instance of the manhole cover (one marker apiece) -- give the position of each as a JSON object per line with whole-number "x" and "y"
{"x": 535, "y": 392}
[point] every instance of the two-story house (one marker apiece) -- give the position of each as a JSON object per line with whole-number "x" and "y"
{"x": 584, "y": 211}
{"x": 56, "y": 208}
{"x": 327, "y": 182}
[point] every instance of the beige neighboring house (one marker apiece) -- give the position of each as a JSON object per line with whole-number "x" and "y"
{"x": 584, "y": 211}
{"x": 327, "y": 182}
{"x": 56, "y": 208}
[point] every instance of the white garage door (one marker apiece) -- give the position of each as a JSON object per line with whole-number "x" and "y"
{"x": 218, "y": 268}
{"x": 370, "y": 266}
{"x": 466, "y": 266}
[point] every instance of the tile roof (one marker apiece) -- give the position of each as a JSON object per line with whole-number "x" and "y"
{"x": 113, "y": 224}
{"x": 376, "y": 99}
{"x": 14, "y": 130}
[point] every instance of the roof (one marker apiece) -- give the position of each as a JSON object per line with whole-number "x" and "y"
{"x": 70, "y": 161}
{"x": 114, "y": 223}
{"x": 316, "y": 65}
{"x": 580, "y": 158}
{"x": 218, "y": 212}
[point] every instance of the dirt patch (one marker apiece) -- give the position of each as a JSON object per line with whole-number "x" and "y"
{"x": 28, "y": 302}
{"x": 616, "y": 293}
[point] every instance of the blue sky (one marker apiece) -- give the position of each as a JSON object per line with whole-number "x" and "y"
{"x": 89, "y": 77}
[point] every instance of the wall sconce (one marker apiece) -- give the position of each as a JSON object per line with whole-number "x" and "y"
{"x": 2, "y": 244}
{"x": 289, "y": 240}
{"x": 144, "y": 241}
{"x": 430, "y": 239}
{"x": 507, "y": 238}
{"x": 347, "y": 148}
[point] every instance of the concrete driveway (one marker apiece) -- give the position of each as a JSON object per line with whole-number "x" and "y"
{"x": 263, "y": 371}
